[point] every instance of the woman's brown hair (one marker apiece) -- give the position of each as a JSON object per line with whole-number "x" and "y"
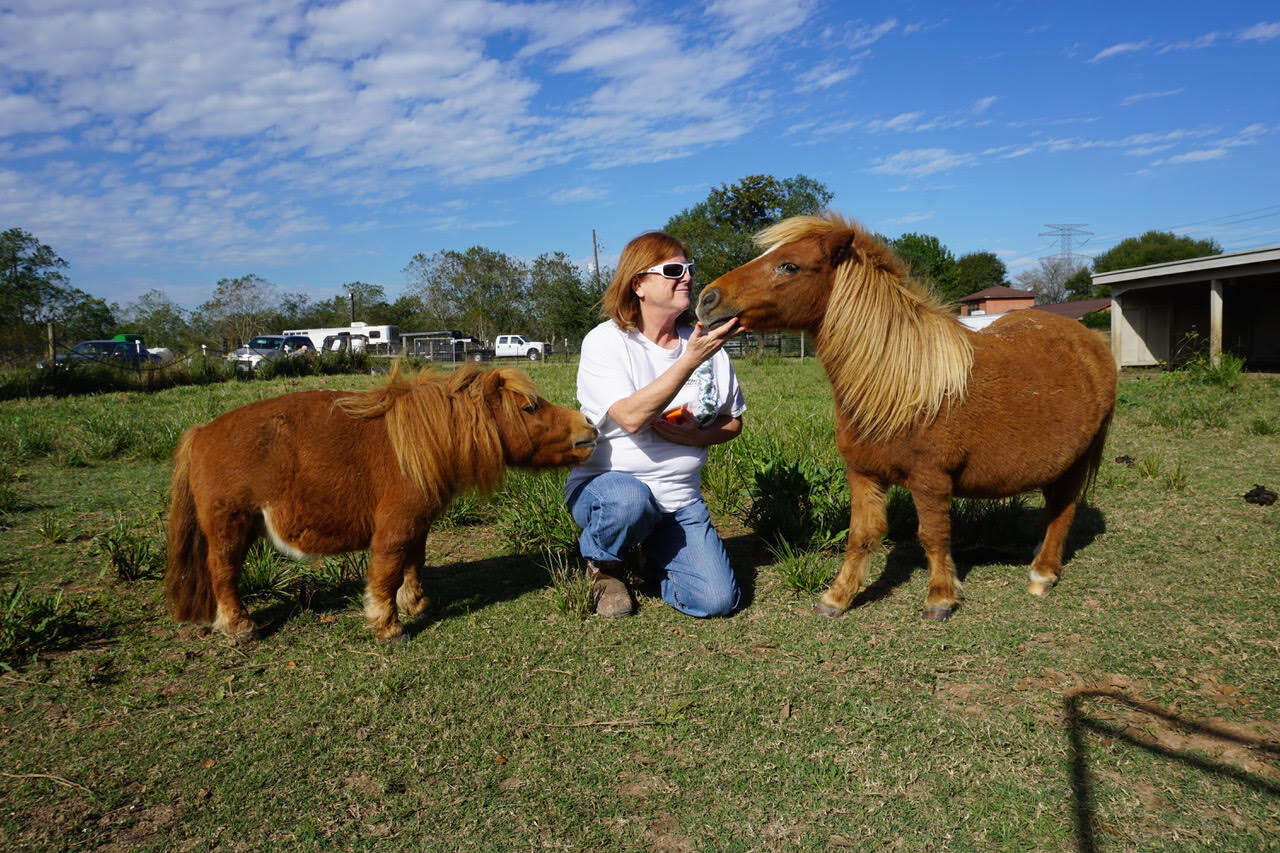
{"x": 619, "y": 302}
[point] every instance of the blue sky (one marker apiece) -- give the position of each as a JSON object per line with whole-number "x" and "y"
{"x": 321, "y": 143}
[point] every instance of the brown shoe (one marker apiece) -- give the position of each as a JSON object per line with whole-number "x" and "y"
{"x": 609, "y": 594}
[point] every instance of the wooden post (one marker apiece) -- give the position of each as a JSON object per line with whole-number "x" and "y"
{"x": 48, "y": 343}
{"x": 1215, "y": 321}
{"x": 802, "y": 346}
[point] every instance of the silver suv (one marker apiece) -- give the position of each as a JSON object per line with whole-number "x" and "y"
{"x": 269, "y": 348}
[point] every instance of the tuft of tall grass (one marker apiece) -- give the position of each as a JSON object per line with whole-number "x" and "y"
{"x": 571, "y": 588}
{"x": 802, "y": 570}
{"x": 1149, "y": 466}
{"x": 266, "y": 573}
{"x": 1262, "y": 426}
{"x": 1175, "y": 480}
{"x": 53, "y": 529}
{"x": 31, "y": 623}
{"x": 1228, "y": 373}
{"x": 532, "y": 514}
{"x": 128, "y": 554}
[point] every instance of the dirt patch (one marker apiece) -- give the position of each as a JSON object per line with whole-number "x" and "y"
{"x": 635, "y": 784}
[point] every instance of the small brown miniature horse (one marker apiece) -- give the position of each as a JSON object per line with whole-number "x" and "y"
{"x": 923, "y": 402}
{"x": 324, "y": 472}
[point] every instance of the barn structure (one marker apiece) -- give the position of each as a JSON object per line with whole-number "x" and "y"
{"x": 1231, "y": 300}
{"x": 996, "y": 300}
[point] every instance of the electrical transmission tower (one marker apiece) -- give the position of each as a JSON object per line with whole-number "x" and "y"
{"x": 1066, "y": 235}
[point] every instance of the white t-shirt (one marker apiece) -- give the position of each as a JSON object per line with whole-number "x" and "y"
{"x": 615, "y": 364}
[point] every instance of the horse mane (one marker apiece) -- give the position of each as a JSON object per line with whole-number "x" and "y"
{"x": 442, "y": 431}
{"x": 892, "y": 349}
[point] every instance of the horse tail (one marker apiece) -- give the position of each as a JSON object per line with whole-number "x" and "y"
{"x": 187, "y": 584}
{"x": 1093, "y": 457}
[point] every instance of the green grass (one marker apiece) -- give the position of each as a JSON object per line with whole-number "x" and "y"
{"x": 508, "y": 721}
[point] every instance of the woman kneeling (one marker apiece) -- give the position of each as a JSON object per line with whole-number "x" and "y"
{"x": 661, "y": 391}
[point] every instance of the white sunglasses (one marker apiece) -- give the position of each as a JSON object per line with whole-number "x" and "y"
{"x": 671, "y": 270}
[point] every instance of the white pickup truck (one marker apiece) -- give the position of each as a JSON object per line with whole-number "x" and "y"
{"x": 518, "y": 346}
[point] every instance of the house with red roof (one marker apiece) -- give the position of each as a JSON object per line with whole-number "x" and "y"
{"x": 996, "y": 300}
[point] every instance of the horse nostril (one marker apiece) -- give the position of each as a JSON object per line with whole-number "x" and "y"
{"x": 590, "y": 422}
{"x": 710, "y": 297}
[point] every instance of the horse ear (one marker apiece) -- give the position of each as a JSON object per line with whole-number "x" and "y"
{"x": 840, "y": 245}
{"x": 493, "y": 382}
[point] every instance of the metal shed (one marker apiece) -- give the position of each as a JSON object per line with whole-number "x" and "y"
{"x": 1232, "y": 300}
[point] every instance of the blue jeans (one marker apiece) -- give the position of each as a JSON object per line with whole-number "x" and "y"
{"x": 616, "y": 511}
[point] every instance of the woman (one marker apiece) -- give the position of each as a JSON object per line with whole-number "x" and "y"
{"x": 641, "y": 486}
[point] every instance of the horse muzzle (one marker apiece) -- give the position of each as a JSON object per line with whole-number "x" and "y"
{"x": 711, "y": 310}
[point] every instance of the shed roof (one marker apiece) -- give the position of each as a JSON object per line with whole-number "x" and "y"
{"x": 998, "y": 291}
{"x": 1230, "y": 265}
{"x": 1077, "y": 309}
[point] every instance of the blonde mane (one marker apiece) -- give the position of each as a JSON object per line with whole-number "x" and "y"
{"x": 892, "y": 350}
{"x": 442, "y": 431}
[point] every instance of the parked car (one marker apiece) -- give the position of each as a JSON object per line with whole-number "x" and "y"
{"x": 118, "y": 352}
{"x": 518, "y": 346}
{"x": 269, "y": 348}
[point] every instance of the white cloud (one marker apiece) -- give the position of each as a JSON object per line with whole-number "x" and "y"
{"x": 577, "y": 194}
{"x": 981, "y": 105}
{"x": 1148, "y": 96}
{"x": 1261, "y": 32}
{"x": 228, "y": 116}
{"x": 907, "y": 219}
{"x": 1118, "y": 49}
{"x": 1200, "y": 156}
{"x": 919, "y": 162}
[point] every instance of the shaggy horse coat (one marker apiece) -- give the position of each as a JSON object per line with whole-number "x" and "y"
{"x": 325, "y": 472}
{"x": 923, "y": 402}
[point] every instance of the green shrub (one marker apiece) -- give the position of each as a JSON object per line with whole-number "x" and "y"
{"x": 31, "y": 623}
{"x": 801, "y": 503}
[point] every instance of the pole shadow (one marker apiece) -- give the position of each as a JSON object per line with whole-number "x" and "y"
{"x": 1079, "y": 722}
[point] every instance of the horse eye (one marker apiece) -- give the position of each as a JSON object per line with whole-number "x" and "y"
{"x": 787, "y": 267}
{"x": 529, "y": 409}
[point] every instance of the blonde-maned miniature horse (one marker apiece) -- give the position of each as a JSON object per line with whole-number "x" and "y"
{"x": 325, "y": 472}
{"x": 923, "y": 402}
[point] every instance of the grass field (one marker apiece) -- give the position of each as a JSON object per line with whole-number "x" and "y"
{"x": 1138, "y": 707}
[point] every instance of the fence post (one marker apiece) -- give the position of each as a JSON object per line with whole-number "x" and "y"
{"x": 48, "y": 349}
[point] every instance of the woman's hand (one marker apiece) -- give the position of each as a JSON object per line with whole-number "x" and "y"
{"x": 702, "y": 344}
{"x": 686, "y": 431}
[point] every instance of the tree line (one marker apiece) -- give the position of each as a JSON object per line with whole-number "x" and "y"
{"x": 485, "y": 292}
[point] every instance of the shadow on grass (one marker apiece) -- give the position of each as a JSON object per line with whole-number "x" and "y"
{"x": 1079, "y": 722}
{"x": 972, "y": 548}
{"x": 454, "y": 589}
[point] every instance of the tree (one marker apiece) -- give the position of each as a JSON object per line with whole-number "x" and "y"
{"x": 1048, "y": 280}
{"x": 240, "y": 308}
{"x": 158, "y": 319}
{"x": 978, "y": 271}
{"x": 1080, "y": 286}
{"x": 34, "y": 291}
{"x": 929, "y": 261}
{"x": 1153, "y": 247}
{"x": 480, "y": 290}
{"x": 563, "y": 301}
{"x": 718, "y": 231}
{"x": 31, "y": 278}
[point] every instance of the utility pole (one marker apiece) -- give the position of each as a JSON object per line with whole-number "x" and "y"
{"x": 353, "y": 306}
{"x": 595, "y": 251}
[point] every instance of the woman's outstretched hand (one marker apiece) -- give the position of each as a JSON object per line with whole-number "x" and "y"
{"x": 703, "y": 344}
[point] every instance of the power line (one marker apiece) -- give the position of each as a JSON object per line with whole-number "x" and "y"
{"x": 1066, "y": 234}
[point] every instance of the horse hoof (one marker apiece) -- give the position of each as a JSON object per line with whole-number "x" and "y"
{"x": 1039, "y": 589}
{"x": 938, "y": 612}
{"x": 826, "y": 610}
{"x": 244, "y": 638}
